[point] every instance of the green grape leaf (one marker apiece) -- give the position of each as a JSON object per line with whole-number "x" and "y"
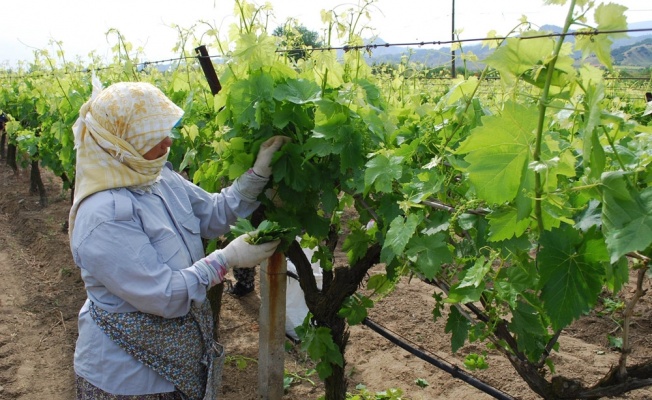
{"x": 617, "y": 274}
{"x": 507, "y": 292}
{"x": 344, "y": 141}
{"x": 590, "y": 217}
{"x": 626, "y": 215}
{"x": 289, "y": 167}
{"x": 330, "y": 113}
{"x": 474, "y": 276}
{"x": 610, "y": 17}
{"x": 504, "y": 224}
{"x": 381, "y": 171}
{"x": 569, "y": 284}
{"x": 355, "y": 308}
{"x": 423, "y": 186}
{"x": 355, "y": 245}
{"x": 318, "y": 146}
{"x": 284, "y": 114}
{"x": 188, "y": 158}
{"x": 241, "y": 163}
{"x": 255, "y": 50}
{"x": 190, "y": 132}
{"x": 400, "y": 231}
{"x": 527, "y": 59}
{"x": 428, "y": 253}
{"x": 319, "y": 344}
{"x": 247, "y": 97}
{"x": 499, "y": 151}
{"x": 593, "y": 98}
{"x": 517, "y": 56}
{"x": 241, "y": 227}
{"x": 529, "y": 329}
{"x": 180, "y": 84}
{"x": 594, "y": 247}
{"x": 380, "y": 284}
{"x": 349, "y": 145}
{"x": 329, "y": 199}
{"x": 458, "y": 326}
{"x": 267, "y": 231}
{"x": 467, "y": 294}
{"x": 297, "y": 91}
{"x": 597, "y": 159}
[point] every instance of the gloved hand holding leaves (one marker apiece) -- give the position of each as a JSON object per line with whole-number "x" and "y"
{"x": 262, "y": 165}
{"x": 267, "y": 231}
{"x": 237, "y": 254}
{"x": 244, "y": 253}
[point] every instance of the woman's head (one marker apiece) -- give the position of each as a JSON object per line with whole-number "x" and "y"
{"x": 136, "y": 112}
{"x": 121, "y": 138}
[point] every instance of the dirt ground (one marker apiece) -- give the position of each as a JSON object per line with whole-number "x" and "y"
{"x": 41, "y": 293}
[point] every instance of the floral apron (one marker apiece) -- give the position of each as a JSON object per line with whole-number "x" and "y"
{"x": 173, "y": 347}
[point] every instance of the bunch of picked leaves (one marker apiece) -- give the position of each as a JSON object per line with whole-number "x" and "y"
{"x": 267, "y": 231}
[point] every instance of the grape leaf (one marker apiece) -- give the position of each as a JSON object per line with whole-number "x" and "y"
{"x": 400, "y": 231}
{"x": 498, "y": 152}
{"x": 381, "y": 171}
{"x": 476, "y": 273}
{"x": 504, "y": 224}
{"x": 569, "y": 284}
{"x": 626, "y": 215}
{"x": 267, "y": 231}
{"x": 297, "y": 91}
{"x": 355, "y": 245}
{"x": 241, "y": 227}
{"x": 247, "y": 96}
{"x": 519, "y": 58}
{"x": 319, "y": 345}
{"x": 428, "y": 253}
{"x": 610, "y": 17}
{"x": 459, "y": 327}
{"x": 529, "y": 329}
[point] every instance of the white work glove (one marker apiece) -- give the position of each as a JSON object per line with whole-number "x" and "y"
{"x": 270, "y": 146}
{"x": 237, "y": 254}
{"x": 240, "y": 254}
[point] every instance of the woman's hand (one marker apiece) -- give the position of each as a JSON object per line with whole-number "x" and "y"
{"x": 267, "y": 149}
{"x": 240, "y": 254}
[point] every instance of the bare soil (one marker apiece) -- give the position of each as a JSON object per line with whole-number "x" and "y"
{"x": 41, "y": 293}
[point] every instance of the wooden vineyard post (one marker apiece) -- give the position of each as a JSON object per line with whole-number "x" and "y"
{"x": 271, "y": 336}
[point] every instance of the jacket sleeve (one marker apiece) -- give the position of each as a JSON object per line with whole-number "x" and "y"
{"x": 217, "y": 211}
{"x": 120, "y": 265}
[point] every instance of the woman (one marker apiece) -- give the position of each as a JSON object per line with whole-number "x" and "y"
{"x": 136, "y": 231}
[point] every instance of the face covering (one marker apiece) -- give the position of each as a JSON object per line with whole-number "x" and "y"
{"x": 116, "y": 126}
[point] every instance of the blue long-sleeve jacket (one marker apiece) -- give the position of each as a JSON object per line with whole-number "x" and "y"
{"x": 136, "y": 251}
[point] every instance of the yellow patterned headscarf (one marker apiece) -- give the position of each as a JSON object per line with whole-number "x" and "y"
{"x": 114, "y": 129}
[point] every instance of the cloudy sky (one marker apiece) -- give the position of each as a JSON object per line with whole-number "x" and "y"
{"x": 81, "y": 25}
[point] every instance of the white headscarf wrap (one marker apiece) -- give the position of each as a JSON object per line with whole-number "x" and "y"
{"x": 116, "y": 126}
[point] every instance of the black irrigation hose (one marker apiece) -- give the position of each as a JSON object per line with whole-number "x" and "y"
{"x": 451, "y": 369}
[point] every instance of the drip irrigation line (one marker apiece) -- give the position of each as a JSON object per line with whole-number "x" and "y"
{"x": 443, "y": 365}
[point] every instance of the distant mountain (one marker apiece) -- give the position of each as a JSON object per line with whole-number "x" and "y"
{"x": 638, "y": 54}
{"x": 634, "y": 51}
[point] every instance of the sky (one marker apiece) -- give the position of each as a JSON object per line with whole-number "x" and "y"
{"x": 81, "y": 25}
